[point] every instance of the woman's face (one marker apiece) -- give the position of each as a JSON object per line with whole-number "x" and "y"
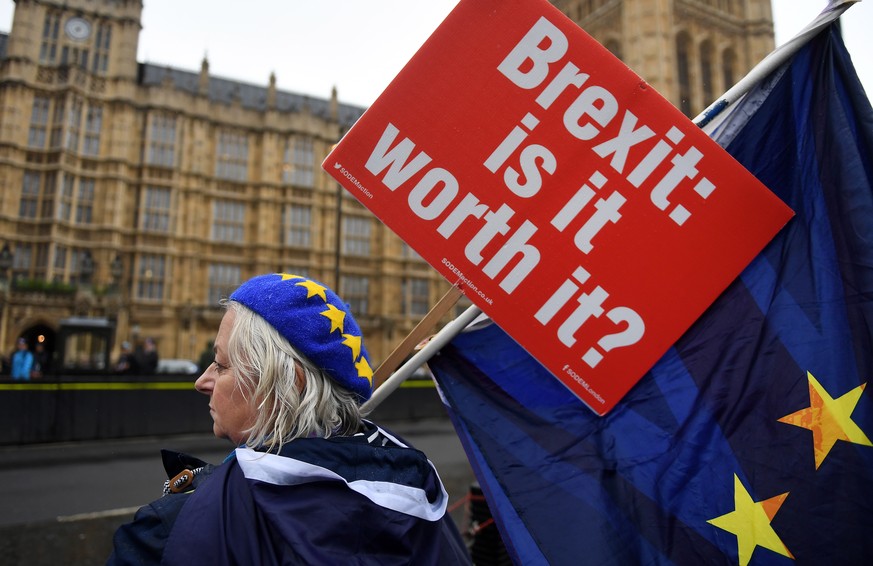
{"x": 233, "y": 413}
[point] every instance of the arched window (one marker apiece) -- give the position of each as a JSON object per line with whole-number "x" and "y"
{"x": 728, "y": 68}
{"x": 683, "y": 72}
{"x": 707, "y": 56}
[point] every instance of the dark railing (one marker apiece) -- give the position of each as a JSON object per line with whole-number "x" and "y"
{"x": 82, "y": 408}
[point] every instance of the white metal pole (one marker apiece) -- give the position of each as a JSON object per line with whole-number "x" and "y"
{"x": 774, "y": 60}
{"x": 442, "y": 338}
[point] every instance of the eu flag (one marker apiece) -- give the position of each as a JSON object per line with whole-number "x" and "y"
{"x": 749, "y": 441}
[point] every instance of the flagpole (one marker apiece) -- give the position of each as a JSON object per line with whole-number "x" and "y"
{"x": 774, "y": 60}
{"x": 439, "y": 340}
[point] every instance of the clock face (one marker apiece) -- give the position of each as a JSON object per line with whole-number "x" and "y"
{"x": 77, "y": 28}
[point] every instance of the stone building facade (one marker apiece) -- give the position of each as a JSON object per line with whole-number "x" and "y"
{"x": 141, "y": 194}
{"x": 691, "y": 51}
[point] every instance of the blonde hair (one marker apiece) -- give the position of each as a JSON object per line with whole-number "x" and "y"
{"x": 292, "y": 398}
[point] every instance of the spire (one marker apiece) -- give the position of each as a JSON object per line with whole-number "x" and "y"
{"x": 271, "y": 91}
{"x": 334, "y": 104}
{"x": 203, "y": 85}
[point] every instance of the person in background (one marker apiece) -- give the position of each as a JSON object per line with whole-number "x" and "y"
{"x": 127, "y": 363}
{"x": 40, "y": 361}
{"x": 148, "y": 362}
{"x": 310, "y": 480}
{"x": 22, "y": 361}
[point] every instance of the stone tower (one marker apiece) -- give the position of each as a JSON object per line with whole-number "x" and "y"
{"x": 99, "y": 36}
{"x": 690, "y": 51}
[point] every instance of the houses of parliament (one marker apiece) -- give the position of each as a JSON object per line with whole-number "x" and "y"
{"x": 140, "y": 195}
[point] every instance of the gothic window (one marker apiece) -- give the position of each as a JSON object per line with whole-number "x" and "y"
{"x": 48, "y": 196}
{"x": 355, "y": 290}
{"x": 29, "y": 195}
{"x": 57, "y": 131}
{"x": 77, "y": 259}
{"x": 65, "y": 205}
{"x": 297, "y": 222}
{"x": 85, "y": 201}
{"x": 356, "y": 236}
{"x": 93, "y": 123}
{"x": 683, "y": 72}
{"x": 232, "y": 156}
{"x": 74, "y": 122}
{"x": 22, "y": 261}
{"x": 101, "y": 49}
{"x": 162, "y": 141}
{"x": 228, "y": 221}
{"x": 150, "y": 276}
{"x": 41, "y": 264}
{"x": 59, "y": 266}
{"x": 415, "y": 296}
{"x": 299, "y": 162}
{"x": 156, "y": 210}
{"x": 48, "y": 51}
{"x": 223, "y": 279}
{"x": 38, "y": 122}
{"x": 728, "y": 68}
{"x": 707, "y": 54}
{"x": 37, "y": 201}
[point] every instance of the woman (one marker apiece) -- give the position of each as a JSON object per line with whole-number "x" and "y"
{"x": 310, "y": 481}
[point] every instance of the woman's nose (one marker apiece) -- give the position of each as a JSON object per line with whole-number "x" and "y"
{"x": 204, "y": 383}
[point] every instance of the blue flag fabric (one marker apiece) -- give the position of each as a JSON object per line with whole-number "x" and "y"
{"x": 749, "y": 441}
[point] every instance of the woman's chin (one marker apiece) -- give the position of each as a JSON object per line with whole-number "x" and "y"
{"x": 218, "y": 432}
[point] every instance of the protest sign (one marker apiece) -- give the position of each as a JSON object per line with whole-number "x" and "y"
{"x": 576, "y": 206}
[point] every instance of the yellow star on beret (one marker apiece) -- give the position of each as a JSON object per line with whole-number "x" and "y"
{"x": 312, "y": 289}
{"x": 364, "y": 370}
{"x": 335, "y": 316}
{"x": 353, "y": 342}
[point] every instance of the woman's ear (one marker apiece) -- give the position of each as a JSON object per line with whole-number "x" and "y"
{"x": 299, "y": 377}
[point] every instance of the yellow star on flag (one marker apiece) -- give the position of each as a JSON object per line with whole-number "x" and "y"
{"x": 287, "y": 276}
{"x": 364, "y": 370}
{"x": 353, "y": 342}
{"x": 750, "y": 522}
{"x": 336, "y": 317}
{"x": 829, "y": 419}
{"x": 312, "y": 289}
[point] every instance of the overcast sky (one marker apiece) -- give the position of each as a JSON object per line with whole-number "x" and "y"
{"x": 356, "y": 45}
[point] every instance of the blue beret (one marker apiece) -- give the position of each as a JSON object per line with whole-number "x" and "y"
{"x": 316, "y": 322}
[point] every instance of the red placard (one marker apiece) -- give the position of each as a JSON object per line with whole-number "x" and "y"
{"x": 580, "y": 210}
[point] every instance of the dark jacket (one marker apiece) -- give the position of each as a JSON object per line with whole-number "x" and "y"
{"x": 365, "y": 499}
{"x": 142, "y": 541}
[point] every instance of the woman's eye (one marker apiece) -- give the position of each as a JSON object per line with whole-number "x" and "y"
{"x": 218, "y": 366}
